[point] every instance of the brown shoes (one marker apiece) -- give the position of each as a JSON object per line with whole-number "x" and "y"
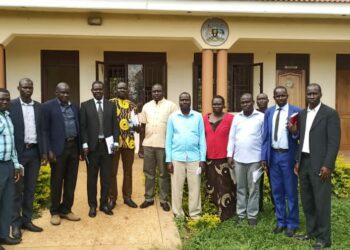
{"x": 70, "y": 216}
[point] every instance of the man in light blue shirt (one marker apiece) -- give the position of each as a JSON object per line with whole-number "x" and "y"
{"x": 244, "y": 147}
{"x": 185, "y": 150}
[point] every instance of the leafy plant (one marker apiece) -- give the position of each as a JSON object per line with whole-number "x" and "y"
{"x": 42, "y": 190}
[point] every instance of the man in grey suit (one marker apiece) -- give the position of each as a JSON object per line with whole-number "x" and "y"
{"x": 98, "y": 123}
{"x": 319, "y": 143}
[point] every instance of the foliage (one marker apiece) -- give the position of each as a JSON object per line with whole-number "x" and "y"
{"x": 341, "y": 178}
{"x": 42, "y": 190}
{"x": 207, "y": 221}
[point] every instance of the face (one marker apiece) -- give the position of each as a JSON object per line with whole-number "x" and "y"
{"x": 97, "y": 91}
{"x": 217, "y": 105}
{"x": 122, "y": 90}
{"x": 262, "y": 101}
{"x": 247, "y": 104}
{"x": 280, "y": 95}
{"x": 157, "y": 93}
{"x": 313, "y": 96}
{"x": 25, "y": 88}
{"x": 185, "y": 102}
{"x": 62, "y": 92}
{"x": 4, "y": 101}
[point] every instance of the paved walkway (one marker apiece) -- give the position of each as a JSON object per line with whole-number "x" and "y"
{"x": 128, "y": 228}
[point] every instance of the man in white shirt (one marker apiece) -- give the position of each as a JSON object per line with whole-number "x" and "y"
{"x": 244, "y": 147}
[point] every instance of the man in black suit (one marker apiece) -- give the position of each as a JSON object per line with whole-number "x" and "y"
{"x": 27, "y": 122}
{"x": 98, "y": 125}
{"x": 318, "y": 149}
{"x": 61, "y": 132}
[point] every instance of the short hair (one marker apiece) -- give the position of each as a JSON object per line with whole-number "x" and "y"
{"x": 219, "y": 97}
{"x": 3, "y": 90}
{"x": 122, "y": 82}
{"x": 185, "y": 93}
{"x": 96, "y": 82}
{"x": 61, "y": 83}
{"x": 157, "y": 84}
{"x": 262, "y": 94}
{"x": 316, "y": 85}
{"x": 248, "y": 94}
{"x": 24, "y": 79}
{"x": 279, "y": 87}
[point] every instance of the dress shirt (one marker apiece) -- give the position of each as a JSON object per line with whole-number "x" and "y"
{"x": 96, "y": 103}
{"x": 185, "y": 137}
{"x": 282, "y": 136}
{"x": 155, "y": 116}
{"x": 245, "y": 139}
{"x": 69, "y": 120}
{"x": 310, "y": 117}
{"x": 7, "y": 144}
{"x": 30, "y": 135}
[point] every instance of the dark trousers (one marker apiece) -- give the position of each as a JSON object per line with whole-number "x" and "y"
{"x": 25, "y": 187}
{"x": 64, "y": 174}
{"x": 99, "y": 161}
{"x": 316, "y": 202}
{"x": 127, "y": 156}
{"x": 7, "y": 187}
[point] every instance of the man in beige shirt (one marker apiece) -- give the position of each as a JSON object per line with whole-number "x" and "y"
{"x": 154, "y": 117}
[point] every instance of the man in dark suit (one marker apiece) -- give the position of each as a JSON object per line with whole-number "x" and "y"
{"x": 278, "y": 154}
{"x": 319, "y": 144}
{"x": 100, "y": 133}
{"x": 61, "y": 131}
{"x": 27, "y": 122}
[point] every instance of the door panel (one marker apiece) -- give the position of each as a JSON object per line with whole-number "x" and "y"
{"x": 343, "y": 106}
{"x": 294, "y": 81}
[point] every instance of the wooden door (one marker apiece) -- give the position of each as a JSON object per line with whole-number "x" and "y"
{"x": 294, "y": 81}
{"x": 343, "y": 105}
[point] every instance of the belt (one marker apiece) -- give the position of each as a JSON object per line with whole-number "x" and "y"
{"x": 305, "y": 155}
{"x": 30, "y": 145}
{"x": 280, "y": 150}
{"x": 70, "y": 139}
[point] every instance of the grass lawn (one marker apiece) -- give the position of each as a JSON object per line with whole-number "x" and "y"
{"x": 230, "y": 236}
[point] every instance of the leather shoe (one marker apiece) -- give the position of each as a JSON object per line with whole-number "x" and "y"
{"x": 31, "y": 227}
{"x": 16, "y": 232}
{"x": 1, "y": 248}
{"x": 130, "y": 203}
{"x": 302, "y": 237}
{"x": 111, "y": 204}
{"x": 92, "y": 212}
{"x": 146, "y": 204}
{"x": 106, "y": 210}
{"x": 165, "y": 206}
{"x": 70, "y": 216}
{"x": 278, "y": 230}
{"x": 289, "y": 232}
{"x": 320, "y": 245}
{"x": 9, "y": 241}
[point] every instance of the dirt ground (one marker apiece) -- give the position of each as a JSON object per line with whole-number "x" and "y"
{"x": 128, "y": 228}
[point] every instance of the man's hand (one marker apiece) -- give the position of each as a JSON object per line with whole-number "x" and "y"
{"x": 325, "y": 173}
{"x": 292, "y": 128}
{"x": 170, "y": 168}
{"x": 264, "y": 166}
{"x": 44, "y": 160}
{"x": 296, "y": 168}
{"x": 17, "y": 174}
{"x": 52, "y": 156}
{"x": 230, "y": 162}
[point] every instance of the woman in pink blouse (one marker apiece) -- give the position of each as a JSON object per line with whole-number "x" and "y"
{"x": 220, "y": 186}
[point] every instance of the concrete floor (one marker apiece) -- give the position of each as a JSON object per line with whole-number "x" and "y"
{"x": 128, "y": 228}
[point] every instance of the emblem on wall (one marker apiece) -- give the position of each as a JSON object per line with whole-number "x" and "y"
{"x": 214, "y": 31}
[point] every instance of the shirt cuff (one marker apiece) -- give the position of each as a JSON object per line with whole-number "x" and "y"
{"x": 85, "y": 145}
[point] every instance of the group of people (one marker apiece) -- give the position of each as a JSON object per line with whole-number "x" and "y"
{"x": 232, "y": 151}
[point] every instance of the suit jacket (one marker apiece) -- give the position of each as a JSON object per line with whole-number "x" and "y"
{"x": 16, "y": 115}
{"x": 90, "y": 123}
{"x": 324, "y": 138}
{"x": 54, "y": 129}
{"x": 267, "y": 135}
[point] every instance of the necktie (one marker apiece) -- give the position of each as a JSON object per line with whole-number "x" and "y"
{"x": 275, "y": 134}
{"x": 100, "y": 119}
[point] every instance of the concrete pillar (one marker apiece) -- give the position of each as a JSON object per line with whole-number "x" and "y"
{"x": 221, "y": 73}
{"x": 207, "y": 80}
{"x": 2, "y": 67}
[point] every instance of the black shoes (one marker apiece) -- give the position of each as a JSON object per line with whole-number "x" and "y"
{"x": 252, "y": 222}
{"x": 278, "y": 230}
{"x": 320, "y": 245}
{"x": 165, "y": 206}
{"x": 92, "y": 212}
{"x": 146, "y": 204}
{"x": 16, "y": 232}
{"x": 129, "y": 202}
{"x": 290, "y": 232}
{"x": 9, "y": 241}
{"x": 111, "y": 204}
{"x": 106, "y": 210}
{"x": 31, "y": 227}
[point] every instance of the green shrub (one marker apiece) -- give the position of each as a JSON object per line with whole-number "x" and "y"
{"x": 341, "y": 178}
{"x": 42, "y": 190}
{"x": 207, "y": 221}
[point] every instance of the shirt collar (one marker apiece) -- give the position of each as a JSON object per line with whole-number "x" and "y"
{"x": 26, "y": 104}
{"x": 159, "y": 102}
{"x": 95, "y": 100}
{"x": 315, "y": 109}
{"x": 181, "y": 114}
{"x": 6, "y": 113}
{"x": 284, "y": 108}
{"x": 255, "y": 112}
{"x": 69, "y": 103}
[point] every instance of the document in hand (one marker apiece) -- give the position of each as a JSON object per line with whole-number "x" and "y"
{"x": 257, "y": 174}
{"x": 293, "y": 119}
{"x": 110, "y": 144}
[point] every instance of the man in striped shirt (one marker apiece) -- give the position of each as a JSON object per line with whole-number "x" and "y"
{"x": 8, "y": 165}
